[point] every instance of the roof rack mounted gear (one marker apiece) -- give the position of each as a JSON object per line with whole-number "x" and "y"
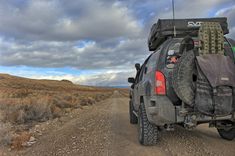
{"x": 164, "y": 28}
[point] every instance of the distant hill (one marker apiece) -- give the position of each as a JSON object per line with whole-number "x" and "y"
{"x": 15, "y": 82}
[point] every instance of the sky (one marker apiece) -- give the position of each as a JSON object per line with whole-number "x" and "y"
{"x": 89, "y": 42}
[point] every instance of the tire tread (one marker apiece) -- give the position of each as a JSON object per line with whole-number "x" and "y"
{"x": 150, "y": 132}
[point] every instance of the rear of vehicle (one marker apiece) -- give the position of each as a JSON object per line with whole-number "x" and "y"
{"x": 175, "y": 88}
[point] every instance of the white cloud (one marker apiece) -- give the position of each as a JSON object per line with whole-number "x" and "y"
{"x": 106, "y": 35}
{"x": 104, "y": 78}
{"x": 49, "y": 20}
{"x": 229, "y": 12}
{"x": 60, "y": 54}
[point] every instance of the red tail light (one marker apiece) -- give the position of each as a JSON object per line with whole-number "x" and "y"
{"x": 160, "y": 83}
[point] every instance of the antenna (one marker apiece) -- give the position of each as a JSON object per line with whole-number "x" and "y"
{"x": 173, "y": 11}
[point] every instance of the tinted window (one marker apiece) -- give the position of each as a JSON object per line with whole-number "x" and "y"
{"x": 143, "y": 68}
{"x": 151, "y": 62}
{"x": 174, "y": 47}
{"x": 173, "y": 54}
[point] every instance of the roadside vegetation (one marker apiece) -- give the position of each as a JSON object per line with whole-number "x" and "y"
{"x": 25, "y": 103}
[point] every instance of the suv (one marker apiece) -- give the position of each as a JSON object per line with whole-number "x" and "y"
{"x": 176, "y": 85}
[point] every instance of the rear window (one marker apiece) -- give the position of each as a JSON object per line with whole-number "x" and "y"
{"x": 173, "y": 53}
{"x": 151, "y": 62}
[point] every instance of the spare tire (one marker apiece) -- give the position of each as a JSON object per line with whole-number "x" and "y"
{"x": 184, "y": 75}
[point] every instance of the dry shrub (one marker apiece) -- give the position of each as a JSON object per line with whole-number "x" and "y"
{"x": 25, "y": 100}
{"x": 87, "y": 101}
{"x": 26, "y": 110}
{"x": 66, "y": 101}
{"x": 22, "y": 93}
{"x": 2, "y": 115}
{"x": 5, "y": 134}
{"x": 20, "y": 139}
{"x": 101, "y": 96}
{"x": 76, "y": 94}
{"x": 44, "y": 107}
{"x": 39, "y": 110}
{"x": 68, "y": 98}
{"x": 61, "y": 103}
{"x": 15, "y": 93}
{"x": 56, "y": 111}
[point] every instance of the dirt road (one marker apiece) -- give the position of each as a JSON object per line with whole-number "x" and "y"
{"x": 104, "y": 130}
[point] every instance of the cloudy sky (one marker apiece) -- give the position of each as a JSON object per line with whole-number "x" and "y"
{"x": 91, "y": 42}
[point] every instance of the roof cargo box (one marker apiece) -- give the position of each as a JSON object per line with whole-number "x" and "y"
{"x": 164, "y": 28}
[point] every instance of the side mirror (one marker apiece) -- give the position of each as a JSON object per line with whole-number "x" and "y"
{"x": 131, "y": 80}
{"x": 137, "y": 66}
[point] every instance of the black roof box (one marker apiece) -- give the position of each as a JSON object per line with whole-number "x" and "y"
{"x": 164, "y": 28}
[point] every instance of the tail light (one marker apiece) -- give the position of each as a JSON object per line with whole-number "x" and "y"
{"x": 160, "y": 83}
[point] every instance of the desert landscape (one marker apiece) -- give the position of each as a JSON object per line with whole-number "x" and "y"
{"x": 47, "y": 117}
{"x": 26, "y": 103}
{"x": 117, "y": 78}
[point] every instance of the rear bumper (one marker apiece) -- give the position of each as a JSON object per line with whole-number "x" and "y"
{"x": 160, "y": 111}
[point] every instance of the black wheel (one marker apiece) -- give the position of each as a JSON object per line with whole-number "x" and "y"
{"x": 184, "y": 77}
{"x": 133, "y": 117}
{"x": 148, "y": 133}
{"x": 227, "y": 134}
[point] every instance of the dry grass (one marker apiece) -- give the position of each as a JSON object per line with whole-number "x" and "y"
{"x": 19, "y": 139}
{"x": 5, "y": 134}
{"x": 27, "y": 101}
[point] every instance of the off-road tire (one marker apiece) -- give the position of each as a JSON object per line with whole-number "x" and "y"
{"x": 148, "y": 132}
{"x": 227, "y": 134}
{"x": 133, "y": 117}
{"x": 182, "y": 81}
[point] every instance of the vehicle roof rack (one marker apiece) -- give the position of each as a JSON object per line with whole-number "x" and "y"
{"x": 164, "y": 29}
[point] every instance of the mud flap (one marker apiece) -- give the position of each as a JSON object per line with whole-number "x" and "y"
{"x": 215, "y": 85}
